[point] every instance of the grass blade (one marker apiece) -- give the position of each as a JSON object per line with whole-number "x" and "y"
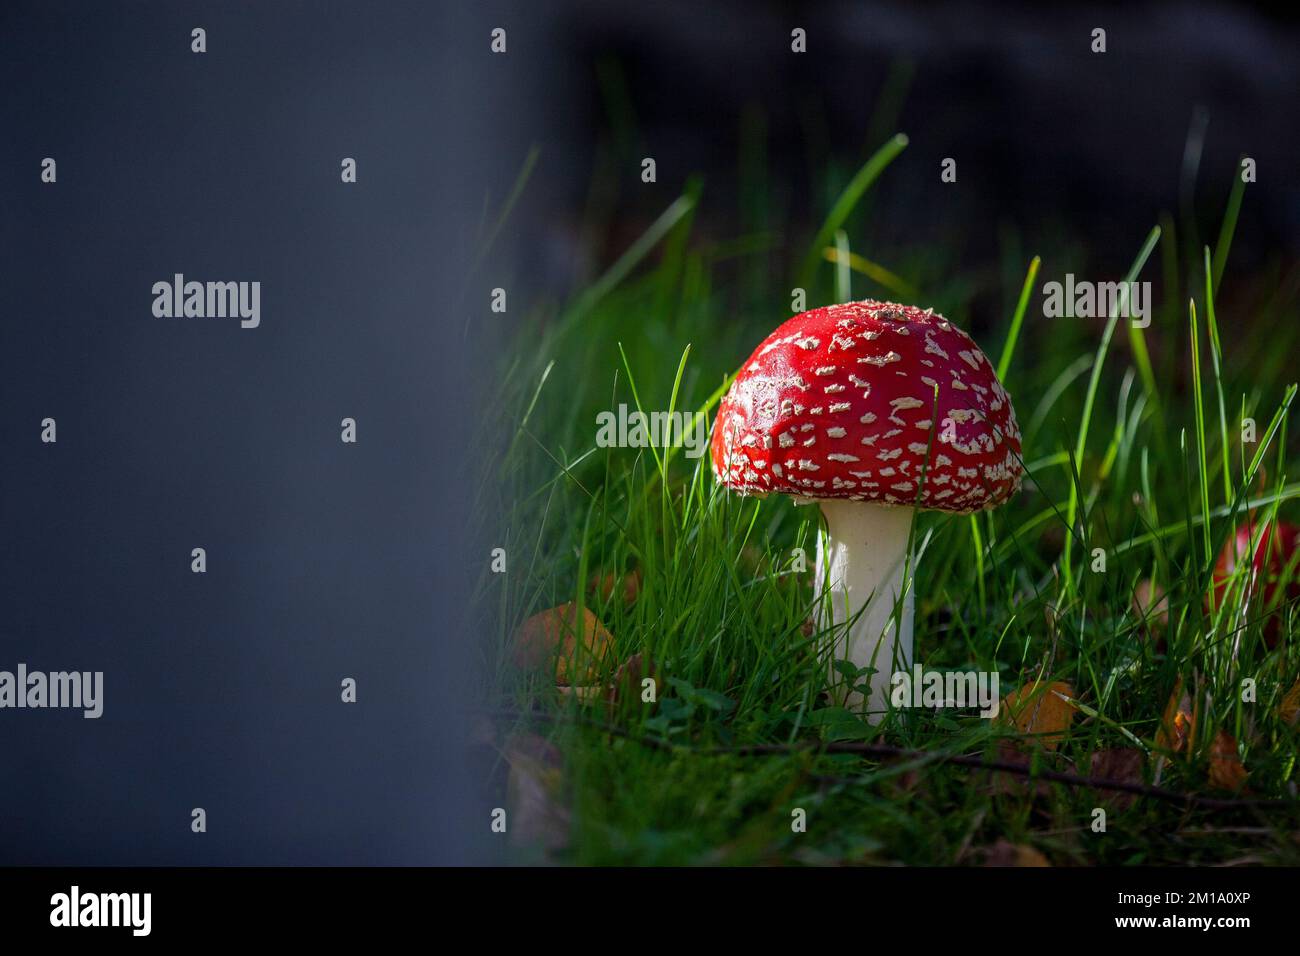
{"x": 870, "y": 170}
{"x": 1018, "y": 319}
{"x": 1081, "y": 442}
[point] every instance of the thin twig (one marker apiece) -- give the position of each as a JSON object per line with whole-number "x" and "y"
{"x": 887, "y": 752}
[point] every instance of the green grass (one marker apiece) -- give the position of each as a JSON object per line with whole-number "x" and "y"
{"x": 1128, "y": 450}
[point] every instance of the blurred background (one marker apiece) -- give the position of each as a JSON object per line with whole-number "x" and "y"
{"x": 325, "y": 560}
{"x": 1060, "y": 151}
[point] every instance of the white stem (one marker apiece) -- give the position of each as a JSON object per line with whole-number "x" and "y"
{"x": 861, "y": 560}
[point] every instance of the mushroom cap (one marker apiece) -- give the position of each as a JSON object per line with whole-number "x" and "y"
{"x": 1274, "y": 552}
{"x": 871, "y": 401}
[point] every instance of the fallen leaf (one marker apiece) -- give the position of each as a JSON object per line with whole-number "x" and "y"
{"x": 1226, "y": 769}
{"x": 1151, "y": 605}
{"x": 606, "y": 584}
{"x": 627, "y": 689}
{"x": 1120, "y": 765}
{"x": 1178, "y": 725}
{"x": 1038, "y": 710}
{"x": 552, "y": 636}
{"x": 1004, "y": 853}
{"x": 907, "y": 782}
{"x": 1289, "y": 709}
{"x": 1006, "y": 783}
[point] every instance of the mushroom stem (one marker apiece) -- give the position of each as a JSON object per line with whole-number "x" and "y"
{"x": 861, "y": 561}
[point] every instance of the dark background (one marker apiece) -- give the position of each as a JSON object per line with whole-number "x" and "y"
{"x": 1059, "y": 150}
{"x": 328, "y": 560}
{"x": 325, "y": 560}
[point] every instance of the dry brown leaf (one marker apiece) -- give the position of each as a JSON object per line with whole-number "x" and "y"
{"x": 552, "y": 636}
{"x": 1004, "y": 853}
{"x": 1289, "y": 709}
{"x": 1121, "y": 765}
{"x": 1007, "y": 783}
{"x": 1038, "y": 710}
{"x": 606, "y": 584}
{"x": 1151, "y": 605}
{"x": 908, "y": 782}
{"x": 1226, "y": 769}
{"x": 626, "y": 690}
{"x": 1178, "y": 725}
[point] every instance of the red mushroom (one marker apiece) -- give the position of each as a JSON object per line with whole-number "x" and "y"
{"x": 1274, "y": 563}
{"x": 873, "y": 410}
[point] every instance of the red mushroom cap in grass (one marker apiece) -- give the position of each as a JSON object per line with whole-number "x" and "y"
{"x": 1274, "y": 559}
{"x": 873, "y": 410}
{"x": 870, "y": 401}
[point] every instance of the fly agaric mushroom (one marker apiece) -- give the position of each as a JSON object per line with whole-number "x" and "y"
{"x": 1274, "y": 560}
{"x": 872, "y": 410}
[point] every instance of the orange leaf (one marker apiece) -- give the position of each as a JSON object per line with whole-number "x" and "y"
{"x": 1290, "y": 707}
{"x": 1004, "y": 853}
{"x": 1178, "y": 725}
{"x": 1037, "y": 709}
{"x": 553, "y": 636}
{"x": 1226, "y": 769}
{"x": 606, "y": 584}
